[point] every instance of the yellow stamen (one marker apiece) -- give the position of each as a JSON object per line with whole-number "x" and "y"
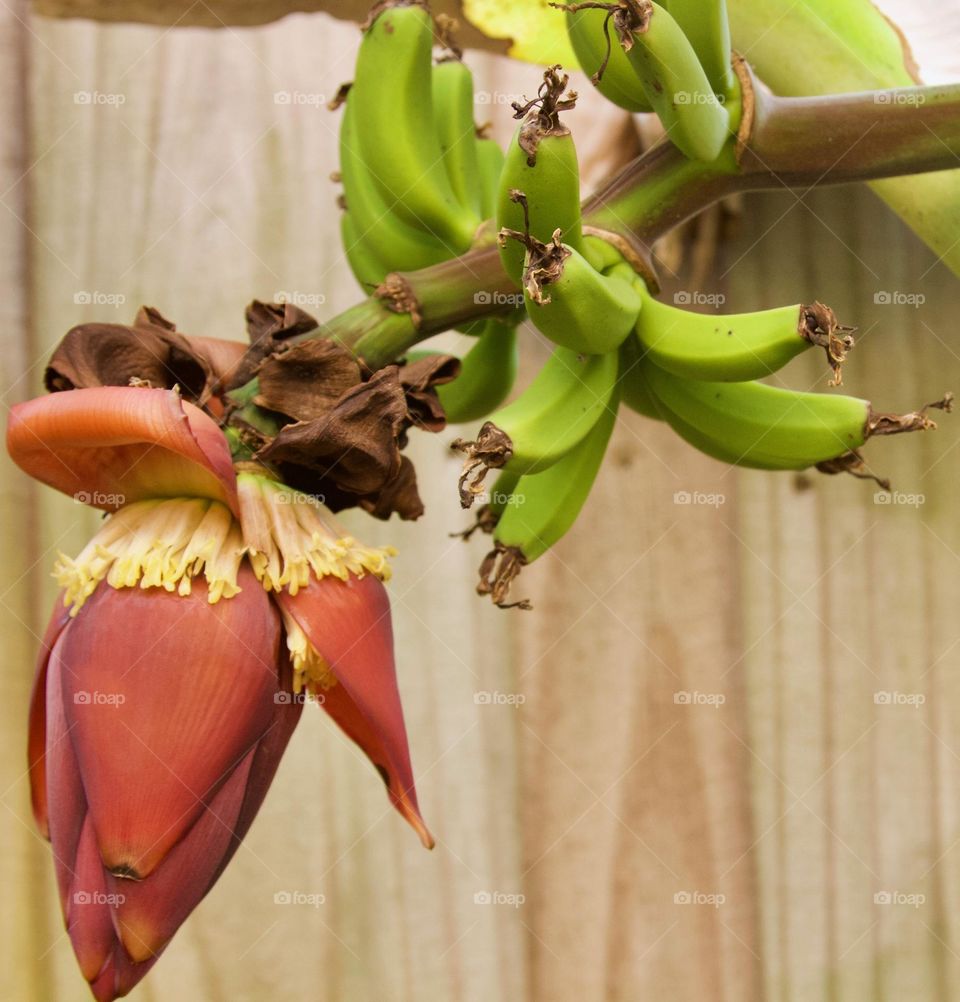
{"x": 289, "y": 534}
{"x": 310, "y": 671}
{"x": 158, "y": 544}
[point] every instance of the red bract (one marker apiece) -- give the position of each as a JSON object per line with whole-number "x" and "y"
{"x": 171, "y": 677}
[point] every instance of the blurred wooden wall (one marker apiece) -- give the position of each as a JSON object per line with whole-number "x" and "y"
{"x": 663, "y": 849}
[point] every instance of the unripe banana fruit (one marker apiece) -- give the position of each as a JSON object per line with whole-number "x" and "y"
{"x": 487, "y": 374}
{"x": 572, "y": 303}
{"x": 752, "y": 424}
{"x": 555, "y": 412}
{"x": 452, "y": 89}
{"x": 739, "y": 346}
{"x": 392, "y": 96}
{"x": 673, "y": 79}
{"x": 604, "y": 61}
{"x": 541, "y": 508}
{"x": 541, "y": 162}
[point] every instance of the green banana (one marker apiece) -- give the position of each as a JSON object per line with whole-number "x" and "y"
{"x": 766, "y": 427}
{"x": 392, "y": 95}
{"x": 582, "y": 308}
{"x": 634, "y": 391}
{"x": 487, "y": 374}
{"x": 377, "y": 233}
{"x": 541, "y": 163}
{"x": 740, "y": 346}
{"x": 452, "y": 91}
{"x": 543, "y": 507}
{"x": 706, "y": 25}
{"x": 490, "y": 163}
{"x": 673, "y": 79}
{"x": 555, "y": 412}
{"x": 597, "y": 51}
{"x": 367, "y": 268}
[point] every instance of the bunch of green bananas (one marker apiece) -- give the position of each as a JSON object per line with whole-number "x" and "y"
{"x": 418, "y": 186}
{"x": 673, "y": 59}
{"x": 417, "y": 177}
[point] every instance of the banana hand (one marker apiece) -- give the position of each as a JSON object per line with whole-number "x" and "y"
{"x": 556, "y": 412}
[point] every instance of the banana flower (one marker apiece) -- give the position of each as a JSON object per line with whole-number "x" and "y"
{"x": 211, "y": 602}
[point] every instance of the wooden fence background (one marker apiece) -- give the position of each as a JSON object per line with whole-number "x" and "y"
{"x": 796, "y": 843}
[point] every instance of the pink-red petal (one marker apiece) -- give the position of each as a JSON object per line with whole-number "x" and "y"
{"x": 348, "y": 622}
{"x": 37, "y": 727}
{"x": 165, "y": 695}
{"x": 111, "y": 445}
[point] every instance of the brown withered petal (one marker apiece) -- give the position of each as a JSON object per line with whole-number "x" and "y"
{"x": 418, "y": 379}
{"x": 398, "y": 495}
{"x": 355, "y": 444}
{"x": 268, "y": 324}
{"x": 112, "y": 355}
{"x": 305, "y": 380}
{"x": 276, "y": 321}
{"x": 150, "y": 316}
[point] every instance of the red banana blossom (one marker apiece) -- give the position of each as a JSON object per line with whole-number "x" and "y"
{"x": 171, "y": 676}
